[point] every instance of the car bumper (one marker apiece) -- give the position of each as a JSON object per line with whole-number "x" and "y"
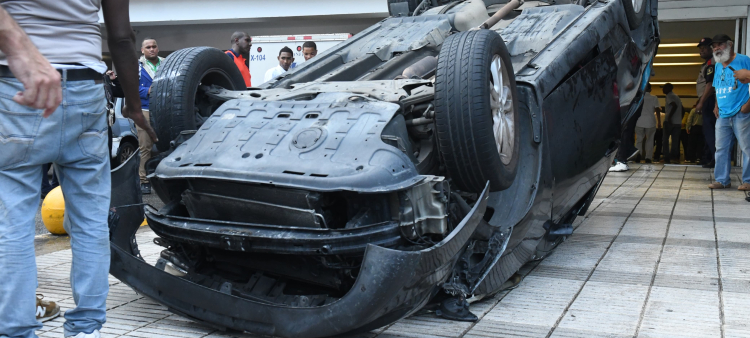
{"x": 391, "y": 285}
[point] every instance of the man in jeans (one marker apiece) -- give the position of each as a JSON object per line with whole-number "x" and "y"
{"x": 671, "y": 125}
{"x": 52, "y": 111}
{"x": 732, "y": 108}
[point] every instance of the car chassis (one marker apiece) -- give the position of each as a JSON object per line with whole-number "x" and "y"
{"x": 334, "y": 200}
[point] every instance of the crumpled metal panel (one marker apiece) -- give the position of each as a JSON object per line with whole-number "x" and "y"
{"x": 327, "y": 144}
{"x": 534, "y": 29}
{"x": 402, "y": 34}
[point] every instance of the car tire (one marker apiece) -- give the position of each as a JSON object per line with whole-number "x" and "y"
{"x": 634, "y": 10}
{"x": 177, "y": 104}
{"x": 477, "y": 143}
{"x": 124, "y": 151}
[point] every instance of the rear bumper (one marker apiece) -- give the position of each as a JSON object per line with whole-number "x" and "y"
{"x": 392, "y": 284}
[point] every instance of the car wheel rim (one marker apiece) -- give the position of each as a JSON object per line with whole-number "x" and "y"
{"x": 502, "y": 110}
{"x": 637, "y": 4}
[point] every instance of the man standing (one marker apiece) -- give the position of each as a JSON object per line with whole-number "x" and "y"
{"x": 35, "y": 129}
{"x": 646, "y": 125}
{"x": 240, "y": 53}
{"x": 148, "y": 63}
{"x": 286, "y": 57}
{"x": 695, "y": 136}
{"x": 309, "y": 50}
{"x": 672, "y": 125}
{"x": 706, "y": 102}
{"x": 732, "y": 108}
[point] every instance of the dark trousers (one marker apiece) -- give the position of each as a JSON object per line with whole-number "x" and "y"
{"x": 671, "y": 154}
{"x": 627, "y": 143}
{"x": 46, "y": 185}
{"x": 684, "y": 142}
{"x": 658, "y": 143}
{"x": 695, "y": 144}
{"x": 709, "y": 130}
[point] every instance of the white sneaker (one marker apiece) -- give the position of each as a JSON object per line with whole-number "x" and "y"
{"x": 94, "y": 334}
{"x": 620, "y": 166}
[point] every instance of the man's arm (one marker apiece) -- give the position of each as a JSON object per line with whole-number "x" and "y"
{"x": 716, "y": 108}
{"x": 121, "y": 42}
{"x": 671, "y": 109}
{"x": 706, "y": 92}
{"x": 41, "y": 82}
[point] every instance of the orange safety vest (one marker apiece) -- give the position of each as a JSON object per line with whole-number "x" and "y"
{"x": 241, "y": 63}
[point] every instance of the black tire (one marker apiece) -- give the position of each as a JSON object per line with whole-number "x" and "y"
{"x": 393, "y": 10}
{"x": 176, "y": 103}
{"x": 124, "y": 152}
{"x": 463, "y": 115}
{"x": 634, "y": 17}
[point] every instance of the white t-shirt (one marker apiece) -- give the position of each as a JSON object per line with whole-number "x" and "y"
{"x": 274, "y": 72}
{"x": 648, "y": 119}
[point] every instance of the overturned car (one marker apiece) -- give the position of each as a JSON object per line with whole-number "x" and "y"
{"x": 423, "y": 161}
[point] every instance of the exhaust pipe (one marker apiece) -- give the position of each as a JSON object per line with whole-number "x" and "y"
{"x": 499, "y": 15}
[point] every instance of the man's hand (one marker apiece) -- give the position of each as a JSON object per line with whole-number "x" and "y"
{"x": 745, "y": 108}
{"x": 121, "y": 41}
{"x": 742, "y": 75}
{"x": 136, "y": 114}
{"x": 111, "y": 74}
{"x": 149, "y": 90}
{"x": 41, "y": 82}
{"x": 716, "y": 112}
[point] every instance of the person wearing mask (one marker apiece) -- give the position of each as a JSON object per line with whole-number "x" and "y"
{"x": 645, "y": 127}
{"x": 706, "y": 102}
{"x": 149, "y": 64}
{"x": 50, "y": 50}
{"x": 309, "y": 50}
{"x": 671, "y": 125}
{"x": 286, "y": 58}
{"x": 240, "y": 54}
{"x": 732, "y": 110}
{"x": 694, "y": 127}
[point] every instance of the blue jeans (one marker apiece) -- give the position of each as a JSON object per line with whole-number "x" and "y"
{"x": 74, "y": 139}
{"x": 727, "y": 128}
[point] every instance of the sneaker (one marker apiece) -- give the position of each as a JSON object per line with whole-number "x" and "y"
{"x": 744, "y": 187}
{"x": 718, "y": 185}
{"x": 619, "y": 167}
{"x": 46, "y": 310}
{"x": 648, "y": 160}
{"x": 634, "y": 154}
{"x": 94, "y": 334}
{"x": 145, "y": 188}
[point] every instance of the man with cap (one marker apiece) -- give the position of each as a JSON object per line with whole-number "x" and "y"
{"x": 732, "y": 110}
{"x": 707, "y": 101}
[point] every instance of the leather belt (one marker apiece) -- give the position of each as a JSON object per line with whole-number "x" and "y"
{"x": 73, "y": 74}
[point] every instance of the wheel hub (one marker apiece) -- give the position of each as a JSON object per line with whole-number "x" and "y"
{"x": 502, "y": 109}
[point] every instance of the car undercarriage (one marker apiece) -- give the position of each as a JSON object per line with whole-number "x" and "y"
{"x": 421, "y": 162}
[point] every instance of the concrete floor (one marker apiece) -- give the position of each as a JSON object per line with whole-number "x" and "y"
{"x": 658, "y": 255}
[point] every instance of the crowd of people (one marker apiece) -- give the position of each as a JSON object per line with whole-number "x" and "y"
{"x": 708, "y": 132}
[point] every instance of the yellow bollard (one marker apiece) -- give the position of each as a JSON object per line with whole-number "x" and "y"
{"x": 53, "y": 212}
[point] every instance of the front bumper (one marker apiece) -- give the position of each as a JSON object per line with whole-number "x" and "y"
{"x": 392, "y": 284}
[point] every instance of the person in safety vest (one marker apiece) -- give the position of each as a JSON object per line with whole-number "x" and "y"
{"x": 240, "y": 52}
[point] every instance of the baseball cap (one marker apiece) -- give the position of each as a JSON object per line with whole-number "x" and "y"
{"x": 720, "y": 38}
{"x": 705, "y": 42}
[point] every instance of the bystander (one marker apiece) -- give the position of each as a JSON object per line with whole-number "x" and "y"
{"x": 309, "y": 50}
{"x": 286, "y": 58}
{"x": 732, "y": 110}
{"x": 149, "y": 64}
{"x": 671, "y": 125}
{"x": 706, "y": 102}
{"x": 240, "y": 53}
{"x": 645, "y": 127}
{"x": 50, "y": 50}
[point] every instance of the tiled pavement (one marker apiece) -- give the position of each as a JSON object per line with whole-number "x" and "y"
{"x": 658, "y": 255}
